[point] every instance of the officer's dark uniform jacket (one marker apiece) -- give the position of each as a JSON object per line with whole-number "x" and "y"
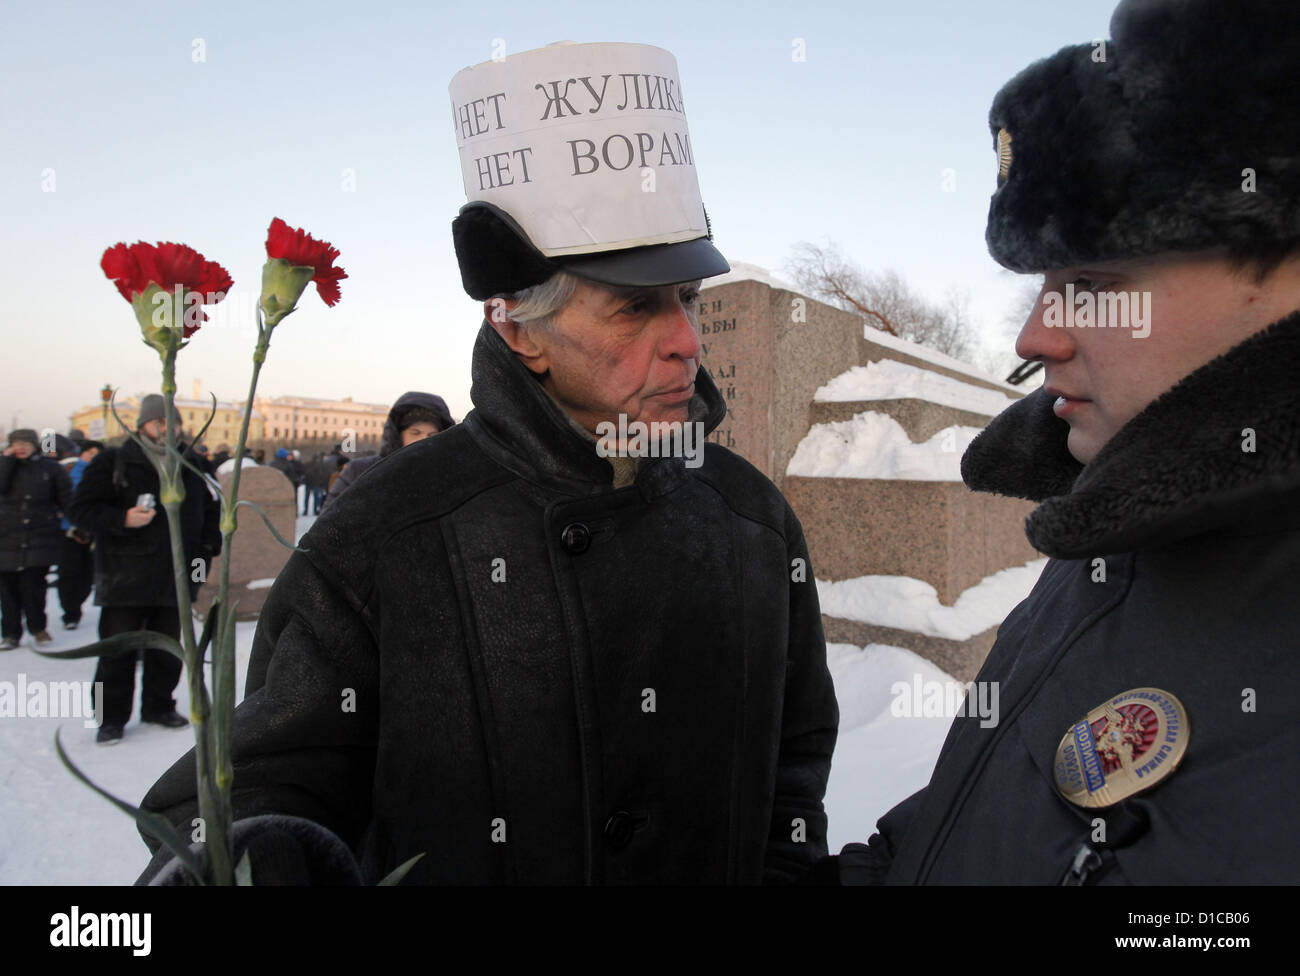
{"x": 488, "y": 655}
{"x": 1198, "y": 530}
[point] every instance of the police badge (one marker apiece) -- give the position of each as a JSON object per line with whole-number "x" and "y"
{"x": 1122, "y": 747}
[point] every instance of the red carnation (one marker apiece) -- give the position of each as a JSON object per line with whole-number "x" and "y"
{"x": 302, "y": 250}
{"x": 133, "y": 269}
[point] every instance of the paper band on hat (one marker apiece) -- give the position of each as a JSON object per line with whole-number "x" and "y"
{"x": 585, "y": 145}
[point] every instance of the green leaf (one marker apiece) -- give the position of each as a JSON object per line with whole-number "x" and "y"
{"x": 267, "y": 522}
{"x": 152, "y": 823}
{"x": 132, "y": 640}
{"x": 244, "y": 871}
{"x": 208, "y": 627}
{"x": 199, "y": 436}
{"x": 395, "y": 876}
{"x": 208, "y": 480}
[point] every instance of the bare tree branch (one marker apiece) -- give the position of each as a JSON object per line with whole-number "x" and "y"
{"x": 884, "y": 299}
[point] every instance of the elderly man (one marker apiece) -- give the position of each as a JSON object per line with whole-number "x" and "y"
{"x": 529, "y": 651}
{"x": 1148, "y": 683}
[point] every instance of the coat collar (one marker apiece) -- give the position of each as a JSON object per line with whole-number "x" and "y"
{"x": 1178, "y": 468}
{"x": 517, "y": 422}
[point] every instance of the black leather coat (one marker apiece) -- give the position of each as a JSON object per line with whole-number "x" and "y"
{"x": 489, "y": 655}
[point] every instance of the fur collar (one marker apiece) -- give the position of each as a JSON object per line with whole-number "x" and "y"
{"x": 1176, "y": 469}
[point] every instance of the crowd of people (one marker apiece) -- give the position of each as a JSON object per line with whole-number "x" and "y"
{"x": 90, "y": 512}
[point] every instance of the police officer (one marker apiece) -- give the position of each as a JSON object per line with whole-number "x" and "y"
{"x": 1148, "y": 683}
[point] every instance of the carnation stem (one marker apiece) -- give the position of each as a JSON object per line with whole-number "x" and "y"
{"x": 223, "y": 644}
{"x": 216, "y": 819}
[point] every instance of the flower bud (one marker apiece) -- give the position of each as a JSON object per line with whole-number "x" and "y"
{"x": 282, "y": 286}
{"x": 161, "y": 314}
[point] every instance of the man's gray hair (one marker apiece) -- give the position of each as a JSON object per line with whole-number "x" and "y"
{"x": 539, "y": 302}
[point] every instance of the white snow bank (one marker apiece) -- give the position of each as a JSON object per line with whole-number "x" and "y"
{"x": 883, "y": 338}
{"x": 874, "y": 445}
{"x": 912, "y": 604}
{"x": 880, "y": 758}
{"x": 891, "y": 380}
{"x": 228, "y": 465}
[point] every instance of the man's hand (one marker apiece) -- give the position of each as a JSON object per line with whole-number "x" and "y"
{"x": 138, "y": 518}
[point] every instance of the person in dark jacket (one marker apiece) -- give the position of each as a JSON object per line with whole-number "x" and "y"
{"x": 291, "y": 468}
{"x": 413, "y": 417}
{"x": 318, "y": 481}
{"x": 530, "y": 650}
{"x": 34, "y": 492}
{"x": 1148, "y": 731}
{"x": 118, "y": 501}
{"x": 76, "y": 560}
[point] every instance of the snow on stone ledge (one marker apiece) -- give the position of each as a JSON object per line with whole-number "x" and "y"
{"x": 912, "y": 604}
{"x": 891, "y": 380}
{"x": 874, "y": 445}
{"x": 740, "y": 271}
{"x": 931, "y": 356}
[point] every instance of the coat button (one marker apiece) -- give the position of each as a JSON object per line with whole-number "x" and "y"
{"x": 618, "y": 830}
{"x": 576, "y": 537}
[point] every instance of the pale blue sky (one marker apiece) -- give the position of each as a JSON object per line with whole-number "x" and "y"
{"x": 146, "y": 143}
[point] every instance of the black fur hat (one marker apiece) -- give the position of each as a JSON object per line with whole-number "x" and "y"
{"x": 1181, "y": 133}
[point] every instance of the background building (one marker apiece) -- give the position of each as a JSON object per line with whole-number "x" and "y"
{"x": 312, "y": 424}
{"x": 308, "y": 424}
{"x": 224, "y": 428}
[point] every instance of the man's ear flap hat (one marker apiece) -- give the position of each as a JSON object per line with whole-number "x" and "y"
{"x": 1180, "y": 133}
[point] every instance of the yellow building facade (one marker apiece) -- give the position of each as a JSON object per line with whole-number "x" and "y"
{"x": 286, "y": 421}
{"x": 193, "y": 412}
{"x": 308, "y": 422}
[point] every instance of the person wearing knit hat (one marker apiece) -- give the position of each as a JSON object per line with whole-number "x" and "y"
{"x": 119, "y": 502}
{"x": 1147, "y": 684}
{"x": 586, "y": 645}
{"x": 34, "y": 492}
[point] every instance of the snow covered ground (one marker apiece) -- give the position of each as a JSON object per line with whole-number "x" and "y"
{"x": 913, "y": 604}
{"x": 54, "y": 830}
